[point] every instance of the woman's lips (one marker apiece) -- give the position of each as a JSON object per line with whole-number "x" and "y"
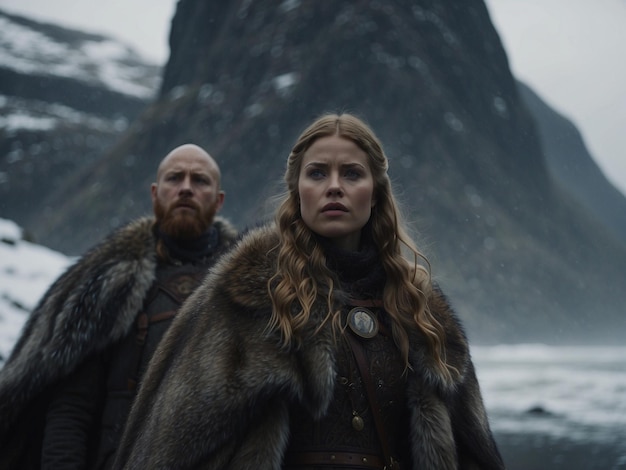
{"x": 334, "y": 208}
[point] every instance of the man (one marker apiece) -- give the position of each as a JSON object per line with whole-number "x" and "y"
{"x": 67, "y": 388}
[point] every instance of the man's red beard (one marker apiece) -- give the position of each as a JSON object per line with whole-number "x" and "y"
{"x": 184, "y": 224}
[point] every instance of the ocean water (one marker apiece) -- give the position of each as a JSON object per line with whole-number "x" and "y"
{"x": 573, "y": 396}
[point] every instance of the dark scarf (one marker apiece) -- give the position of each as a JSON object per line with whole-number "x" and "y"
{"x": 361, "y": 273}
{"x": 189, "y": 250}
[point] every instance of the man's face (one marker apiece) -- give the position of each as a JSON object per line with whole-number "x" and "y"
{"x": 186, "y": 196}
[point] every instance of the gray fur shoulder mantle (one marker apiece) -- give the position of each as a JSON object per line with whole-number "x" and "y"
{"x": 91, "y": 305}
{"x": 223, "y": 382}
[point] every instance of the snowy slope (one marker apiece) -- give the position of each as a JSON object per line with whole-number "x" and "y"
{"x": 26, "y": 271}
{"x": 38, "y": 49}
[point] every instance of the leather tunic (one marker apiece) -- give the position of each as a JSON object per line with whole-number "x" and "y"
{"x": 173, "y": 284}
{"x": 335, "y": 432}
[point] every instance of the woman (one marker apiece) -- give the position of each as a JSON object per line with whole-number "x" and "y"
{"x": 316, "y": 343}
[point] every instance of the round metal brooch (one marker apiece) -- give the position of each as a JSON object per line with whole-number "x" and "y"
{"x": 363, "y": 322}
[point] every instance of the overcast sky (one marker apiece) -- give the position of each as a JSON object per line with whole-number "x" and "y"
{"x": 569, "y": 51}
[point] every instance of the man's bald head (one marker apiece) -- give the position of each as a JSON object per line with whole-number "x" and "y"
{"x": 187, "y": 195}
{"x": 190, "y": 152}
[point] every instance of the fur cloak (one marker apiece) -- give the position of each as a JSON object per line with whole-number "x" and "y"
{"x": 218, "y": 390}
{"x": 89, "y": 307}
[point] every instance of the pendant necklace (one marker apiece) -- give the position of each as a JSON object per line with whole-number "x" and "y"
{"x": 351, "y": 385}
{"x": 358, "y": 424}
{"x": 363, "y": 323}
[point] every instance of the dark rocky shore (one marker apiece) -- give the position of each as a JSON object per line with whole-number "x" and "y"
{"x": 540, "y": 452}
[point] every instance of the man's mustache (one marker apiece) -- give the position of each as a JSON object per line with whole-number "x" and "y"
{"x": 186, "y": 203}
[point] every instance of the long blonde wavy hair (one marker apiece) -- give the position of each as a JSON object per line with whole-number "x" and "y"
{"x": 302, "y": 275}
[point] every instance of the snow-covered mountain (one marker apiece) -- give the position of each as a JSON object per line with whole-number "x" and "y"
{"x": 66, "y": 96}
{"x": 34, "y": 48}
{"x": 30, "y": 48}
{"x": 26, "y": 271}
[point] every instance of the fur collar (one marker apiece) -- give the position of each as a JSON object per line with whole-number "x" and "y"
{"x": 243, "y": 275}
{"x": 91, "y": 305}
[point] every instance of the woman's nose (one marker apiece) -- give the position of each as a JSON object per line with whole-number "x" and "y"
{"x": 334, "y": 185}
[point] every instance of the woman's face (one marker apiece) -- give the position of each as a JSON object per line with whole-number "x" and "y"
{"x": 336, "y": 190}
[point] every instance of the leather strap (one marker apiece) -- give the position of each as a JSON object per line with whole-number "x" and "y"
{"x": 361, "y": 360}
{"x": 143, "y": 321}
{"x": 161, "y": 316}
{"x": 334, "y": 459}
